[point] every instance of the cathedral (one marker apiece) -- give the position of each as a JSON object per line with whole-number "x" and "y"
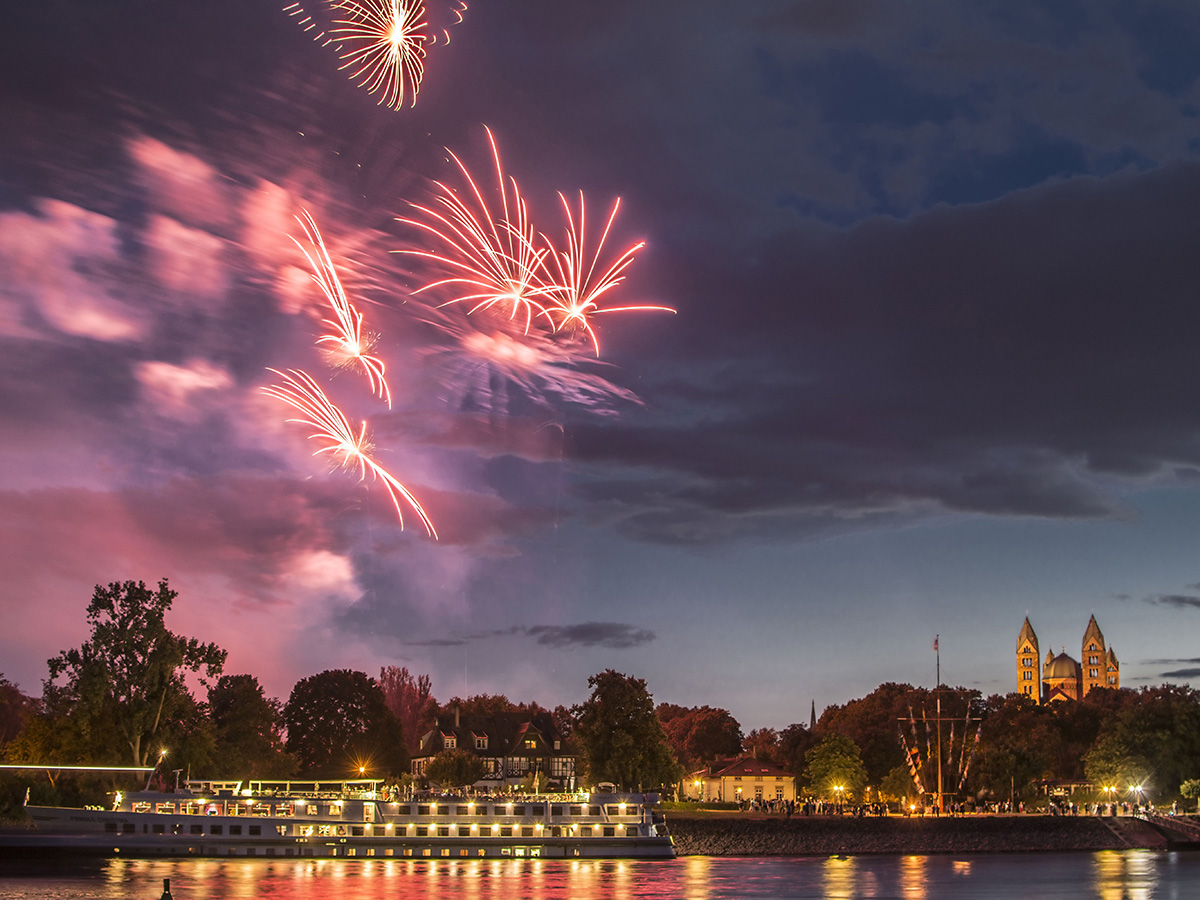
{"x": 1061, "y": 677}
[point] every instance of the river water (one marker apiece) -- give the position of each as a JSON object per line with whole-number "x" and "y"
{"x": 1108, "y": 875}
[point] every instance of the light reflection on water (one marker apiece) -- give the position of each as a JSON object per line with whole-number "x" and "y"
{"x": 1109, "y": 875}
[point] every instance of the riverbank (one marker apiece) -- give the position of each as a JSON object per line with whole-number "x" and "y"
{"x": 749, "y": 834}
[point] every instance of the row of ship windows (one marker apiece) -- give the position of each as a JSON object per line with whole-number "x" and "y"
{"x": 288, "y": 810}
{"x": 388, "y": 851}
{"x": 387, "y": 831}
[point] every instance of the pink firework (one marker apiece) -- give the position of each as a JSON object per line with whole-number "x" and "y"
{"x": 577, "y": 282}
{"x": 347, "y": 343}
{"x": 383, "y": 43}
{"x": 491, "y": 257}
{"x": 350, "y": 449}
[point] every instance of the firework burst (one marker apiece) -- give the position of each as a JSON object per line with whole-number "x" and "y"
{"x": 350, "y": 449}
{"x": 383, "y": 43}
{"x": 577, "y": 283}
{"x": 490, "y": 256}
{"x": 347, "y": 344}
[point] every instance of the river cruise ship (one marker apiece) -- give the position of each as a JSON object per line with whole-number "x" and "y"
{"x": 353, "y": 819}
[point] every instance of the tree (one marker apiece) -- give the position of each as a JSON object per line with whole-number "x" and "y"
{"x": 898, "y": 786}
{"x": 130, "y": 675}
{"x": 762, "y": 743}
{"x": 15, "y": 710}
{"x": 835, "y": 763}
{"x": 795, "y": 741}
{"x": 411, "y": 699}
{"x": 700, "y": 734}
{"x": 455, "y": 768}
{"x": 248, "y": 730}
{"x": 337, "y": 721}
{"x": 619, "y": 737}
{"x": 1191, "y": 790}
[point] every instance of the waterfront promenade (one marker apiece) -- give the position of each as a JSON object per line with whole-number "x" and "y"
{"x": 756, "y": 834}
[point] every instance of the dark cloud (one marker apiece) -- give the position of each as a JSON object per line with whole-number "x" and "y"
{"x": 592, "y": 634}
{"x": 1181, "y": 673}
{"x": 1175, "y": 601}
{"x": 1169, "y": 662}
{"x": 988, "y": 359}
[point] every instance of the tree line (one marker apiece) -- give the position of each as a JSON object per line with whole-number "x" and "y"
{"x": 135, "y": 689}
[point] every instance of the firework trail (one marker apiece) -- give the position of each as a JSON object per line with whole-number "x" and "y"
{"x": 491, "y": 257}
{"x": 457, "y": 12}
{"x": 575, "y": 287}
{"x": 498, "y": 368}
{"x": 337, "y": 437}
{"x": 381, "y": 41}
{"x": 346, "y": 343}
{"x": 385, "y": 45}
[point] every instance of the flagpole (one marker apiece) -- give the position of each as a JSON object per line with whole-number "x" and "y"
{"x": 938, "y": 690}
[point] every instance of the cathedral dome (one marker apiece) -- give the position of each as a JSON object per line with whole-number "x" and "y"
{"x": 1062, "y": 666}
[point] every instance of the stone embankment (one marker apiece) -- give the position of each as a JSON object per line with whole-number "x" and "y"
{"x": 748, "y": 834}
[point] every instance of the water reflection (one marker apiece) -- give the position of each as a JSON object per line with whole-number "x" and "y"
{"x": 1125, "y": 875}
{"x": 1132, "y": 874}
{"x": 912, "y": 877}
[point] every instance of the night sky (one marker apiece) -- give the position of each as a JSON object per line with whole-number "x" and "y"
{"x": 935, "y": 367}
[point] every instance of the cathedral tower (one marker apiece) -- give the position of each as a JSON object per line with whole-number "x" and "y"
{"x": 1029, "y": 680}
{"x": 1094, "y": 659}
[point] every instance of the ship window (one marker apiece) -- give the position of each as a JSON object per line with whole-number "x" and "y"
{"x": 537, "y": 810}
{"x": 443, "y": 831}
{"x": 283, "y": 809}
{"x": 441, "y": 810}
{"x": 556, "y": 811}
{"x": 577, "y": 810}
{"x": 631, "y": 831}
{"x": 585, "y": 831}
{"x": 445, "y": 851}
{"x": 261, "y": 809}
{"x": 217, "y": 829}
{"x": 168, "y": 808}
{"x": 158, "y": 829}
{"x": 422, "y": 831}
{"x": 129, "y": 828}
{"x": 505, "y": 831}
{"x": 609, "y": 831}
{"x": 464, "y": 830}
{"x": 256, "y": 829}
{"x": 462, "y": 811}
{"x": 110, "y": 827}
{"x": 518, "y": 810}
{"x": 378, "y": 831}
{"x": 527, "y": 831}
{"x": 481, "y": 809}
{"x": 593, "y": 810}
{"x": 141, "y": 807}
{"x": 196, "y": 829}
{"x": 422, "y": 810}
{"x": 235, "y": 829}
{"x": 356, "y": 831}
{"x": 310, "y": 809}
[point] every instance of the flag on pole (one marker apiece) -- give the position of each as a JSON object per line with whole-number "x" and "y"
{"x": 935, "y": 640}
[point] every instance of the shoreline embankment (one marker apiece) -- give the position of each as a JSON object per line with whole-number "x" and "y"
{"x": 749, "y": 834}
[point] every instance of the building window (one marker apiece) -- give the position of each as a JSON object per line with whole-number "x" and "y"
{"x": 481, "y": 742}
{"x": 530, "y": 743}
{"x": 450, "y": 742}
{"x": 1028, "y": 676}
